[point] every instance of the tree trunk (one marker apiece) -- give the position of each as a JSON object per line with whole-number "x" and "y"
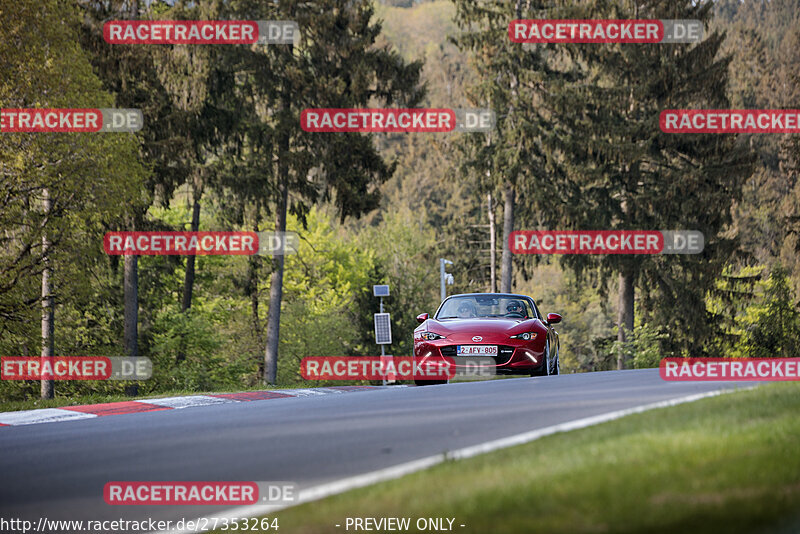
{"x": 508, "y": 227}
{"x": 625, "y": 312}
{"x": 276, "y": 286}
{"x": 506, "y": 276}
{"x": 188, "y": 281}
{"x": 492, "y": 247}
{"x": 131, "y": 313}
{"x": 276, "y": 279}
{"x": 253, "y": 280}
{"x": 48, "y": 325}
{"x": 251, "y": 290}
{"x": 131, "y": 284}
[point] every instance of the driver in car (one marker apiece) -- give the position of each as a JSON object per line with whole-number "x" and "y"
{"x": 515, "y": 308}
{"x": 467, "y": 310}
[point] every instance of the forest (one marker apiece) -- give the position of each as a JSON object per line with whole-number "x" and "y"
{"x": 576, "y": 146}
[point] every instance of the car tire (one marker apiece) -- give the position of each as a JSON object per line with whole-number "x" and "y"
{"x": 544, "y": 369}
{"x": 557, "y": 366}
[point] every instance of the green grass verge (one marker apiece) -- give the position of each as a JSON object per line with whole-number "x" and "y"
{"x": 725, "y": 464}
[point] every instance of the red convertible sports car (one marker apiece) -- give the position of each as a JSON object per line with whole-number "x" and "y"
{"x": 504, "y": 327}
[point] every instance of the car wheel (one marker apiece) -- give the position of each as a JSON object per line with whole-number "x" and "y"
{"x": 557, "y": 366}
{"x": 544, "y": 369}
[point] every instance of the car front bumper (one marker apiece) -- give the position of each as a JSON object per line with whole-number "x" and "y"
{"x": 514, "y": 356}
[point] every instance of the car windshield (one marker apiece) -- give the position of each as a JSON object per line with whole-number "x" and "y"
{"x": 476, "y": 306}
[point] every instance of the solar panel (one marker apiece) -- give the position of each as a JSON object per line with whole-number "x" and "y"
{"x": 380, "y": 291}
{"x": 383, "y": 329}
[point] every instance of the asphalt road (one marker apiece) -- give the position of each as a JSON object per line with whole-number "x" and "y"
{"x": 58, "y": 470}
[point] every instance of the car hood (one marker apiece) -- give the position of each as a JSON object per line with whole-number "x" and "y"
{"x": 495, "y": 325}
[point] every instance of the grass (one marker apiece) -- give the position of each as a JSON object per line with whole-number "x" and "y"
{"x": 725, "y": 464}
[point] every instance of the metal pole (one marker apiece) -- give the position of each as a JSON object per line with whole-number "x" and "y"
{"x": 383, "y": 354}
{"x": 441, "y": 278}
{"x": 492, "y": 232}
{"x": 383, "y": 350}
{"x": 492, "y": 248}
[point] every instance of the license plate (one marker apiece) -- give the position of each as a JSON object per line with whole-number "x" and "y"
{"x": 477, "y": 350}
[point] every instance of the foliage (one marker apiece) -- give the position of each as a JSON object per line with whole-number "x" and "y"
{"x": 616, "y": 170}
{"x": 186, "y": 353}
{"x": 577, "y": 136}
{"x": 321, "y": 285}
{"x": 763, "y": 42}
{"x": 406, "y": 252}
{"x": 770, "y": 328}
{"x": 587, "y": 331}
{"x": 644, "y": 346}
{"x": 91, "y": 179}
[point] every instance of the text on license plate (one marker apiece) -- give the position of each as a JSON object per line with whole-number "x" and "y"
{"x": 477, "y": 350}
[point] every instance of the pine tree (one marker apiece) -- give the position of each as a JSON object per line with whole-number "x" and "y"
{"x": 512, "y": 80}
{"x": 334, "y": 64}
{"x": 620, "y": 172}
{"x": 57, "y": 188}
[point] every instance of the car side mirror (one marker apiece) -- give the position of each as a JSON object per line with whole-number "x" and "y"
{"x": 422, "y": 317}
{"x": 553, "y": 318}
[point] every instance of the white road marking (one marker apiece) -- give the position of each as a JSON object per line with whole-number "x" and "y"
{"x": 305, "y": 392}
{"x": 359, "y": 481}
{"x": 42, "y": 415}
{"x": 187, "y": 402}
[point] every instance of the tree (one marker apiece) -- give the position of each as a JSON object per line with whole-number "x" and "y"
{"x": 58, "y": 188}
{"x": 764, "y": 44}
{"x": 198, "y": 82}
{"x": 620, "y": 172}
{"x": 334, "y": 63}
{"x": 184, "y": 88}
{"x": 771, "y": 328}
{"x": 511, "y": 78}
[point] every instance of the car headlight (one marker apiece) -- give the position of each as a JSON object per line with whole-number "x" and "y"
{"x": 430, "y": 336}
{"x": 525, "y": 335}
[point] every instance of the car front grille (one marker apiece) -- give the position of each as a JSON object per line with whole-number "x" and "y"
{"x": 504, "y": 353}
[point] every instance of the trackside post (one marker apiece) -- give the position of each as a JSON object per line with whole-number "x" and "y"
{"x": 383, "y": 325}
